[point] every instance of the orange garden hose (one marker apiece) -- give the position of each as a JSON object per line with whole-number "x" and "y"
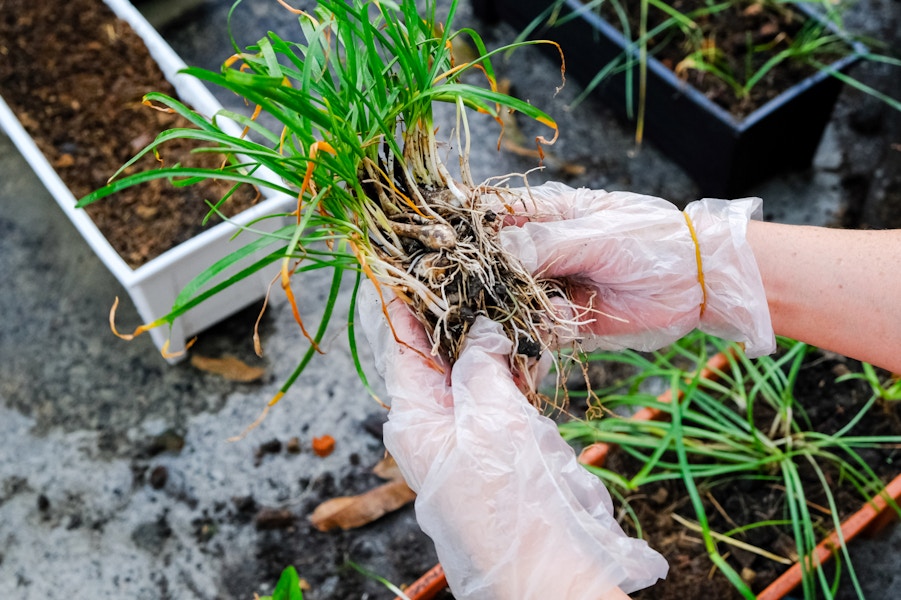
{"x": 865, "y": 519}
{"x": 428, "y": 586}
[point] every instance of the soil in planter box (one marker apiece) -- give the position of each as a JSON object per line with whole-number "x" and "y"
{"x": 745, "y": 36}
{"x": 829, "y": 406}
{"x": 75, "y": 75}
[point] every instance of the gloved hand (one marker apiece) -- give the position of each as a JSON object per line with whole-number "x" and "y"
{"x": 642, "y": 273}
{"x": 511, "y": 512}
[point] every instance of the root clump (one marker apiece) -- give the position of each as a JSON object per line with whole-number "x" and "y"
{"x": 454, "y": 269}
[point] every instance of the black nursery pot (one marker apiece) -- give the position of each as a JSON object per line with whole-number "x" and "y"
{"x": 722, "y": 154}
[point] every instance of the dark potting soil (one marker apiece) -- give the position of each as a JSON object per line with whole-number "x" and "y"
{"x": 743, "y": 37}
{"x": 829, "y": 406}
{"x": 75, "y": 76}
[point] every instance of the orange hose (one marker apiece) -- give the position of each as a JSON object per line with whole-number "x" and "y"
{"x": 853, "y": 525}
{"x": 428, "y": 586}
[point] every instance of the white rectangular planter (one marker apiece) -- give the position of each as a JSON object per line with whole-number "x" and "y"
{"x": 154, "y": 286}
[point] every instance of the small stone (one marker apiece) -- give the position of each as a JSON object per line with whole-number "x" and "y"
{"x": 273, "y": 446}
{"x": 323, "y": 446}
{"x": 748, "y": 575}
{"x": 167, "y": 441}
{"x": 64, "y": 161}
{"x": 158, "y": 477}
{"x": 840, "y": 370}
{"x": 373, "y": 424}
{"x": 245, "y": 504}
{"x": 146, "y": 212}
{"x": 43, "y": 503}
{"x": 245, "y": 509}
{"x": 293, "y": 445}
{"x": 274, "y": 518}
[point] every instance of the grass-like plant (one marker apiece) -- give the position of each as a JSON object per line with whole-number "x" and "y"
{"x": 348, "y": 129}
{"x": 288, "y": 587}
{"x": 886, "y": 388}
{"x": 715, "y": 435}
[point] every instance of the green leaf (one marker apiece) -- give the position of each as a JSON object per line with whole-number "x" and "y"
{"x": 288, "y": 586}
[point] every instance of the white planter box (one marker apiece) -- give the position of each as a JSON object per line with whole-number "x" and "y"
{"x": 154, "y": 286}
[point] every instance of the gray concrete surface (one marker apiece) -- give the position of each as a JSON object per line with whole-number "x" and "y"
{"x": 88, "y": 423}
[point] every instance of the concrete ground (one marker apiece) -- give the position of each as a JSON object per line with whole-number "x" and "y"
{"x": 116, "y": 479}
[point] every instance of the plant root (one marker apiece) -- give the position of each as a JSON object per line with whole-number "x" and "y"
{"x": 452, "y": 268}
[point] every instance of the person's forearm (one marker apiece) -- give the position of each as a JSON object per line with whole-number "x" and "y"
{"x": 836, "y": 289}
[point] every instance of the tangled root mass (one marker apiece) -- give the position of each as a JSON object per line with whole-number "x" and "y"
{"x": 455, "y": 254}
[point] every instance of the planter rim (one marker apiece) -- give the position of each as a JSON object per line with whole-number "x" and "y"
{"x": 583, "y": 10}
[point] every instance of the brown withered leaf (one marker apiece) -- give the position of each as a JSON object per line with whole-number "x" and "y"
{"x": 387, "y": 468}
{"x": 515, "y": 141}
{"x": 229, "y": 367}
{"x": 348, "y": 512}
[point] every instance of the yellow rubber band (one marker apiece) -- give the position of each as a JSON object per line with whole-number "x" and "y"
{"x": 694, "y": 238}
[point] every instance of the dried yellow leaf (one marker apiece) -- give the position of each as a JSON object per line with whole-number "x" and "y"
{"x": 229, "y": 367}
{"x": 349, "y": 512}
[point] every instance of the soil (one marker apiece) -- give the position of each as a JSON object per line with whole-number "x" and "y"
{"x": 75, "y": 76}
{"x": 735, "y": 503}
{"x": 744, "y": 37}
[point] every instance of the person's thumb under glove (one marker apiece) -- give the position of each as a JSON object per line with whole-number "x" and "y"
{"x": 642, "y": 273}
{"x": 511, "y": 512}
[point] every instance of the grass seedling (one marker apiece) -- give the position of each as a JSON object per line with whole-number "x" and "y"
{"x": 354, "y": 141}
{"x": 376, "y": 577}
{"x": 746, "y": 425}
{"x": 287, "y": 588}
{"x": 886, "y": 388}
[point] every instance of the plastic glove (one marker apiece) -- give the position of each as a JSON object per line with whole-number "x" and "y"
{"x": 632, "y": 262}
{"x": 511, "y": 512}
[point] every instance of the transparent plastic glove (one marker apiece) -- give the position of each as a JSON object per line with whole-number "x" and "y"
{"x": 632, "y": 262}
{"x": 511, "y": 512}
